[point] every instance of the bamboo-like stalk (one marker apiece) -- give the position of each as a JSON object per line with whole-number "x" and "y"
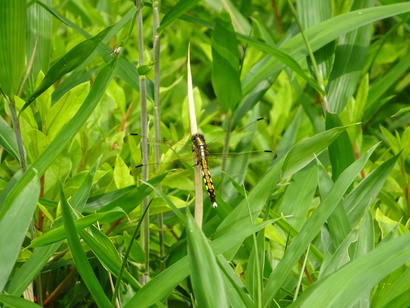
{"x": 199, "y": 211}
{"x": 157, "y": 124}
{"x": 144, "y": 139}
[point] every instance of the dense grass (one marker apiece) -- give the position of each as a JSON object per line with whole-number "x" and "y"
{"x": 91, "y": 89}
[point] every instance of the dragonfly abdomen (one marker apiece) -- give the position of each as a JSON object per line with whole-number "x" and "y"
{"x": 200, "y": 149}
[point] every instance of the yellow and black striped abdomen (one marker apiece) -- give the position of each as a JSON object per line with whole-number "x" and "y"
{"x": 201, "y": 153}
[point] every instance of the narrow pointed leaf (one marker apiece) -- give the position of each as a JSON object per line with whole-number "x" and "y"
{"x": 8, "y": 138}
{"x": 14, "y": 225}
{"x": 13, "y": 301}
{"x": 343, "y": 288}
{"x": 160, "y": 286}
{"x": 12, "y": 44}
{"x": 180, "y": 8}
{"x": 225, "y": 65}
{"x": 206, "y": 277}
{"x": 80, "y": 260}
{"x": 70, "y": 61}
{"x": 321, "y": 34}
{"x": 311, "y": 228}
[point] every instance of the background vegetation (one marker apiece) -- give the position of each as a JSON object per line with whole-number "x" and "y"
{"x": 323, "y": 223}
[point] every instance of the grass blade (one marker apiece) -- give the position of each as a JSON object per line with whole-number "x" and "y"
{"x": 80, "y": 260}
{"x": 8, "y": 138}
{"x": 13, "y": 301}
{"x": 366, "y": 192}
{"x": 225, "y": 65}
{"x": 379, "y": 88}
{"x": 39, "y": 29}
{"x": 344, "y": 287}
{"x": 12, "y": 44}
{"x": 70, "y": 61}
{"x": 234, "y": 286}
{"x": 30, "y": 269}
{"x": 180, "y": 8}
{"x": 206, "y": 276}
{"x": 14, "y": 225}
{"x": 350, "y": 57}
{"x": 321, "y": 34}
{"x": 305, "y": 151}
{"x": 160, "y": 286}
{"x": 311, "y": 228}
{"x": 59, "y": 233}
{"x": 105, "y": 251}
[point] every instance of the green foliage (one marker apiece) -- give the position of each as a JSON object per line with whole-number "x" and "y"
{"x": 225, "y": 65}
{"x": 12, "y": 45}
{"x": 320, "y": 221}
{"x": 206, "y": 276}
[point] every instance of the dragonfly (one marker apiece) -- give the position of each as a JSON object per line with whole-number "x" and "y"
{"x": 206, "y": 158}
{"x": 200, "y": 149}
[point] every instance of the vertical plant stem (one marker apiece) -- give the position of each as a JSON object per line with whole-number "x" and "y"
{"x": 144, "y": 139}
{"x": 199, "y": 202}
{"x": 157, "y": 120}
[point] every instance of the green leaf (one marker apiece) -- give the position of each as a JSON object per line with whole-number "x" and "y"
{"x": 319, "y": 35}
{"x": 144, "y": 69}
{"x": 225, "y": 65}
{"x": 80, "y": 260}
{"x": 338, "y": 223}
{"x": 59, "y": 233}
{"x": 366, "y": 192}
{"x": 13, "y": 301}
{"x": 126, "y": 71}
{"x": 393, "y": 289}
{"x": 341, "y": 152}
{"x": 343, "y": 288}
{"x": 160, "y": 286}
{"x": 282, "y": 57}
{"x": 63, "y": 138}
{"x": 240, "y": 22}
{"x": 305, "y": 151}
{"x": 311, "y": 228}
{"x": 127, "y": 198}
{"x": 251, "y": 206}
{"x": 14, "y": 224}
{"x": 299, "y": 196}
{"x": 382, "y": 85}
{"x": 255, "y": 267}
{"x": 105, "y": 251}
{"x": 8, "y": 138}
{"x": 39, "y": 30}
{"x": 206, "y": 277}
{"x": 180, "y": 8}
{"x": 30, "y": 269}
{"x": 12, "y": 44}
{"x": 70, "y": 61}
{"x": 80, "y": 197}
{"x": 298, "y": 157}
{"x": 350, "y": 57}
{"x": 235, "y": 289}
{"x": 122, "y": 176}
{"x": 313, "y": 12}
